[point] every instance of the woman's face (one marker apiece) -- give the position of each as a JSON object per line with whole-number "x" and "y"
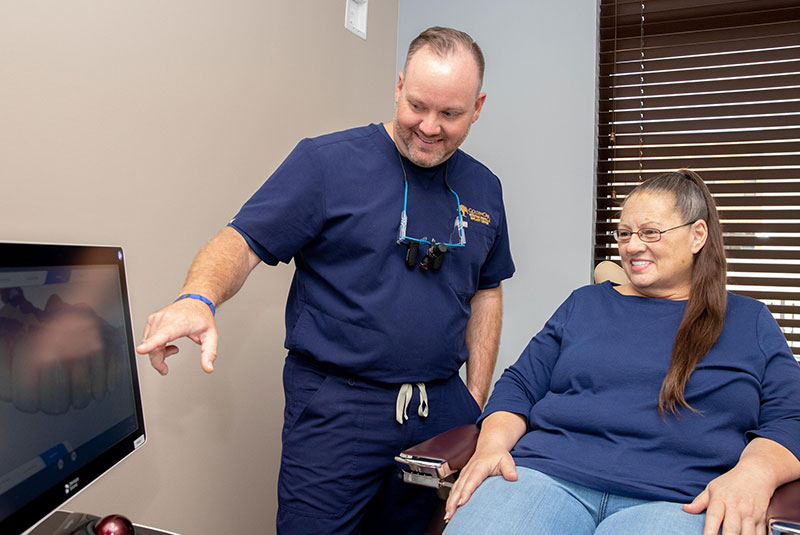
{"x": 662, "y": 268}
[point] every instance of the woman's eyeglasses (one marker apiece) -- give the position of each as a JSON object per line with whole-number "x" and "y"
{"x": 648, "y": 235}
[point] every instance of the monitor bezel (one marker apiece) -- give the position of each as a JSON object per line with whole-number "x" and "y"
{"x": 20, "y": 255}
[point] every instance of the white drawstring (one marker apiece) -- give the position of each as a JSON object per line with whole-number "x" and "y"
{"x": 404, "y": 398}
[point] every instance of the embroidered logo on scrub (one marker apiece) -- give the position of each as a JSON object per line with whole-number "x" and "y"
{"x": 475, "y": 215}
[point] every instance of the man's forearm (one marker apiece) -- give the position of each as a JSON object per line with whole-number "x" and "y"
{"x": 221, "y": 267}
{"x": 483, "y": 339}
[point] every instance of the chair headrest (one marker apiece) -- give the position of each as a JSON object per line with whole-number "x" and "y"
{"x": 609, "y": 271}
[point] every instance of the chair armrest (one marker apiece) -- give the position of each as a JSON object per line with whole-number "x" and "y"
{"x": 783, "y": 514}
{"x": 440, "y": 456}
{"x": 455, "y": 446}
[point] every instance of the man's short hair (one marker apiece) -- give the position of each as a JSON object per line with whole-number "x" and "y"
{"x": 446, "y": 41}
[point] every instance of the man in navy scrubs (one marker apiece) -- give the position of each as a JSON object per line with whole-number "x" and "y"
{"x": 400, "y": 245}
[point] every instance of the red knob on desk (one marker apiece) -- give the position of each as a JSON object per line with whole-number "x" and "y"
{"x": 113, "y": 525}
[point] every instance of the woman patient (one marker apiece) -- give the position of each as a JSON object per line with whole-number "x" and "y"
{"x": 662, "y": 406}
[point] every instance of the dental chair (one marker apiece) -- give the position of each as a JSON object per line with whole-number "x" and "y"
{"x": 436, "y": 462}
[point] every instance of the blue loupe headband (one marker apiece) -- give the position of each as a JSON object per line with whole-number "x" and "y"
{"x": 435, "y": 255}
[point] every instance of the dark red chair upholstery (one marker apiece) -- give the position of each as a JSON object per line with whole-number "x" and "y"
{"x": 783, "y": 514}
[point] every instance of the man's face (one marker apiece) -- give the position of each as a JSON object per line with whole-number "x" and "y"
{"x": 436, "y": 102}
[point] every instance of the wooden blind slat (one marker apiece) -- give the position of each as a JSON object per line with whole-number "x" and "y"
{"x": 680, "y": 9}
{"x": 647, "y": 115}
{"x": 765, "y": 295}
{"x": 765, "y": 281}
{"x": 645, "y": 77}
{"x": 778, "y": 23}
{"x": 758, "y": 215}
{"x": 709, "y": 149}
{"x": 703, "y": 124}
{"x": 678, "y": 63}
{"x": 759, "y": 267}
{"x": 754, "y": 187}
{"x": 792, "y": 324}
{"x": 783, "y": 200}
{"x": 715, "y": 99}
{"x": 730, "y": 6}
{"x": 783, "y": 309}
{"x": 710, "y": 86}
{"x": 709, "y": 175}
{"x": 772, "y": 41}
{"x": 791, "y": 132}
{"x": 612, "y": 212}
{"x": 791, "y": 160}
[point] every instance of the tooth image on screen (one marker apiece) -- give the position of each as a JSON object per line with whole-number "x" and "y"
{"x": 24, "y": 378}
{"x": 59, "y": 357}
{"x": 5, "y": 369}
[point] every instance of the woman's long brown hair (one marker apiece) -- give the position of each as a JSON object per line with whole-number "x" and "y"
{"x": 705, "y": 310}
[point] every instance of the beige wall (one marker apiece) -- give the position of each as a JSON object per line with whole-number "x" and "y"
{"x": 147, "y": 124}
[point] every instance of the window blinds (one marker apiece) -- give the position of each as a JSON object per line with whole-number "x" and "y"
{"x": 712, "y": 86}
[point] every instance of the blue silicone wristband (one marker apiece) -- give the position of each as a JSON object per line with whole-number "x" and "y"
{"x": 202, "y": 298}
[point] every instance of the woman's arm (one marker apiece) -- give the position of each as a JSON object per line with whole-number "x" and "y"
{"x": 738, "y": 499}
{"x": 518, "y": 388}
{"x": 500, "y": 431}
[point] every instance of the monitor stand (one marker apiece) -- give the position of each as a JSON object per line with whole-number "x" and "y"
{"x": 69, "y": 523}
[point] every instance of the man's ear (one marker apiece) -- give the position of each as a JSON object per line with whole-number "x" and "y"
{"x": 478, "y": 106}
{"x": 398, "y": 88}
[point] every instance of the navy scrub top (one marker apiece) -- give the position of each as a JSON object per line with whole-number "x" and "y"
{"x": 334, "y": 207}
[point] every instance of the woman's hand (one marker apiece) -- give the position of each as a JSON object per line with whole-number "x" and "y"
{"x": 499, "y": 432}
{"x": 737, "y": 500}
{"x": 489, "y": 462}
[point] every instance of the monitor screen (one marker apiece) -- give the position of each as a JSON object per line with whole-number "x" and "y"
{"x": 70, "y": 406}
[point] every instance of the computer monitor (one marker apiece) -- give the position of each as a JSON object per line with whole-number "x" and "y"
{"x": 70, "y": 406}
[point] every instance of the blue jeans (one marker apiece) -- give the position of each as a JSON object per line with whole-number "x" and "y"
{"x": 543, "y": 505}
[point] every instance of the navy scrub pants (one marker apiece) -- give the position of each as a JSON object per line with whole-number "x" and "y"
{"x": 340, "y": 436}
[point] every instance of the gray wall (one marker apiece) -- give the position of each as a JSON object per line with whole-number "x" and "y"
{"x": 147, "y": 124}
{"x": 537, "y": 133}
